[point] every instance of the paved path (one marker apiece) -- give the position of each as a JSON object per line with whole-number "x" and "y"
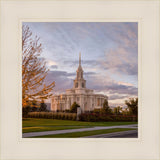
{"x": 33, "y": 134}
{"x": 122, "y": 134}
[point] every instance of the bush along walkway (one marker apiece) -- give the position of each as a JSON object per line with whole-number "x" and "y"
{"x": 33, "y": 134}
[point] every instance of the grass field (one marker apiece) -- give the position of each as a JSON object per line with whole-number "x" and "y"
{"x": 38, "y": 125}
{"x": 85, "y": 133}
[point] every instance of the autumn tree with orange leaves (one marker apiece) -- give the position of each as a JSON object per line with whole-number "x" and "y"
{"x": 34, "y": 70}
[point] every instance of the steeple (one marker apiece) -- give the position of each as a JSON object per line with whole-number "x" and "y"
{"x": 79, "y": 67}
{"x": 79, "y": 82}
{"x": 79, "y": 58}
{"x": 79, "y": 70}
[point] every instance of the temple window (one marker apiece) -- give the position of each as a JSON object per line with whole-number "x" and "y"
{"x": 76, "y": 85}
{"x": 98, "y": 102}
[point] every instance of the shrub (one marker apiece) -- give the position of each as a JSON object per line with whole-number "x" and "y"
{"x": 34, "y": 109}
{"x": 52, "y": 115}
{"x": 66, "y": 117}
{"x": 74, "y": 117}
{"x": 96, "y": 110}
{"x": 96, "y": 117}
{"x": 67, "y": 111}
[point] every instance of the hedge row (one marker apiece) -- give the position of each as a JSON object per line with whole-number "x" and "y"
{"x": 89, "y": 117}
{"x": 93, "y": 117}
{"x": 53, "y": 115}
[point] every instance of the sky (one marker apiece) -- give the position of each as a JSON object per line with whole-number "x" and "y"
{"x": 109, "y": 53}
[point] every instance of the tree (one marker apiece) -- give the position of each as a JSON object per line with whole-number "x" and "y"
{"x": 106, "y": 109}
{"x": 43, "y": 107}
{"x": 34, "y": 106}
{"x": 74, "y": 107}
{"x": 132, "y": 105}
{"x": 26, "y": 110}
{"x": 125, "y": 111}
{"x": 34, "y": 70}
{"x": 117, "y": 110}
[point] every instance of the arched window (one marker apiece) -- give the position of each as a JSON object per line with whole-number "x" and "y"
{"x": 76, "y": 85}
{"x": 82, "y": 85}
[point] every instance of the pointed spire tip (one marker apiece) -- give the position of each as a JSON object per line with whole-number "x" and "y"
{"x": 79, "y": 58}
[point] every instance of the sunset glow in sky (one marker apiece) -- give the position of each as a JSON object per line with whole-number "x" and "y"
{"x": 109, "y": 53}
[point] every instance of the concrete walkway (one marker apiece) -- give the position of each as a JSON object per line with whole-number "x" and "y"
{"x": 122, "y": 134}
{"x": 33, "y": 134}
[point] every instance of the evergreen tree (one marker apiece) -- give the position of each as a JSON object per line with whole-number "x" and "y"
{"x": 106, "y": 109}
{"x": 74, "y": 107}
{"x": 43, "y": 107}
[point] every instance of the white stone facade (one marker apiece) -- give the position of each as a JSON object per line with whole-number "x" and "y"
{"x": 86, "y": 98}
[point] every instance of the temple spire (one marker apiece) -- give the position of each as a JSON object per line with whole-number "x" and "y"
{"x": 79, "y": 82}
{"x": 80, "y": 59}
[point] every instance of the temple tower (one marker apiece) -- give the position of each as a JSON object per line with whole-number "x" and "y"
{"x": 79, "y": 82}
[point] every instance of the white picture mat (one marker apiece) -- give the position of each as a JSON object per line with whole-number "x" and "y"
{"x": 13, "y": 13}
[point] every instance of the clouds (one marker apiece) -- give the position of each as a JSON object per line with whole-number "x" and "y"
{"x": 113, "y": 97}
{"x": 63, "y": 79}
{"x": 106, "y": 84}
{"x": 94, "y": 81}
{"x": 69, "y": 38}
{"x": 54, "y": 67}
{"x": 122, "y": 89}
{"x": 120, "y": 61}
{"x": 84, "y": 62}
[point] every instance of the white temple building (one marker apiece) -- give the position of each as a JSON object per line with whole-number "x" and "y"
{"x": 86, "y": 98}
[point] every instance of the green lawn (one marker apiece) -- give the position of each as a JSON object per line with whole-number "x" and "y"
{"x": 37, "y": 125}
{"x": 49, "y": 128}
{"x": 85, "y": 133}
